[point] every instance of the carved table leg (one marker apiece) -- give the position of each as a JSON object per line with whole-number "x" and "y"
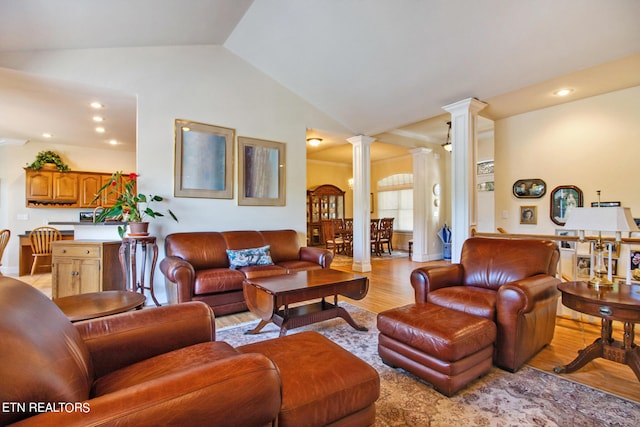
{"x": 585, "y": 356}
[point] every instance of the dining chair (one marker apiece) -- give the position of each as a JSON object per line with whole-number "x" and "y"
{"x": 41, "y": 240}
{"x": 4, "y": 239}
{"x": 385, "y": 234}
{"x": 331, "y": 241}
{"x": 375, "y": 237}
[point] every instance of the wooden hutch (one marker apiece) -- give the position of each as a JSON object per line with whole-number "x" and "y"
{"x": 323, "y": 202}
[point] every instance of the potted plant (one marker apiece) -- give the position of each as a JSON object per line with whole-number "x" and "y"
{"x": 48, "y": 157}
{"x": 131, "y": 207}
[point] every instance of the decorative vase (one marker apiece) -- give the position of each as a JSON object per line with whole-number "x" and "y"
{"x": 138, "y": 229}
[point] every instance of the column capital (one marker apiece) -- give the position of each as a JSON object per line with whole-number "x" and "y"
{"x": 361, "y": 139}
{"x": 420, "y": 150}
{"x": 472, "y": 105}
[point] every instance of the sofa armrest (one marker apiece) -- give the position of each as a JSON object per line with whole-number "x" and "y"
{"x": 213, "y": 393}
{"x": 427, "y": 279}
{"x": 523, "y": 295}
{"x": 320, "y": 256}
{"x": 122, "y": 339}
{"x": 182, "y": 273}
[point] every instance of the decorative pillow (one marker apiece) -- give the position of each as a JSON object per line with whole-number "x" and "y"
{"x": 251, "y": 256}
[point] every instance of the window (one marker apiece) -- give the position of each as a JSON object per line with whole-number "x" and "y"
{"x": 395, "y": 200}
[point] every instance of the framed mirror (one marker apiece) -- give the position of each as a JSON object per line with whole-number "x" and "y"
{"x": 261, "y": 172}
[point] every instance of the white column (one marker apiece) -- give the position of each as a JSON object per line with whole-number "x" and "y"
{"x": 361, "y": 202}
{"x": 464, "y": 137}
{"x": 422, "y": 205}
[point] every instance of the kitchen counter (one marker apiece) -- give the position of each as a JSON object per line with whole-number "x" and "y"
{"x": 86, "y": 223}
{"x": 87, "y": 230}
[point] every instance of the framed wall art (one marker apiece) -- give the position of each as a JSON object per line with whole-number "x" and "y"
{"x": 529, "y": 188}
{"x": 261, "y": 172}
{"x": 203, "y": 160}
{"x": 528, "y": 215}
{"x": 563, "y": 198}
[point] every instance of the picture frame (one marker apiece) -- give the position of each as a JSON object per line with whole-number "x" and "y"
{"x": 563, "y": 198}
{"x": 529, "y": 188}
{"x": 261, "y": 172}
{"x": 565, "y": 244}
{"x": 203, "y": 160}
{"x": 604, "y": 204}
{"x": 634, "y": 258}
{"x": 528, "y": 214}
{"x": 583, "y": 266}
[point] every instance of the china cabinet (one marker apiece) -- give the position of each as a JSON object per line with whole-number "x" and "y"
{"x": 323, "y": 202}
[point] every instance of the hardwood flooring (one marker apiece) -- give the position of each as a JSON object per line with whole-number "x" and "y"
{"x": 389, "y": 287}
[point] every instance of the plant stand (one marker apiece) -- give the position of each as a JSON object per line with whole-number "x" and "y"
{"x": 131, "y": 264}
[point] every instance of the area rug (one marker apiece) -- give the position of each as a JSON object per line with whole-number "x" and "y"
{"x": 529, "y": 397}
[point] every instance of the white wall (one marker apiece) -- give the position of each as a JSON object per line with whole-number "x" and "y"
{"x": 200, "y": 83}
{"x": 591, "y": 143}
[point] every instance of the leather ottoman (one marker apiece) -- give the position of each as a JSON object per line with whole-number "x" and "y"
{"x": 322, "y": 383}
{"x": 444, "y": 347}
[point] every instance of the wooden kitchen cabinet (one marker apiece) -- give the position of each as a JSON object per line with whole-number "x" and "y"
{"x": 89, "y": 185}
{"x": 82, "y": 266}
{"x": 53, "y": 189}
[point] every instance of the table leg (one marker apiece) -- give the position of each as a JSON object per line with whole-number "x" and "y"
{"x": 344, "y": 314}
{"x": 585, "y": 356}
{"x": 258, "y": 328}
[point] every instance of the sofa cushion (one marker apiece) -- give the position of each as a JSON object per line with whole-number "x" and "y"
{"x": 251, "y": 256}
{"x": 202, "y": 250}
{"x": 163, "y": 365}
{"x": 243, "y": 239}
{"x": 468, "y": 299}
{"x": 216, "y": 280}
{"x": 285, "y": 245}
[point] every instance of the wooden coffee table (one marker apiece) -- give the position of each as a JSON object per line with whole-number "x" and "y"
{"x": 98, "y": 304}
{"x": 270, "y": 298}
{"x": 620, "y": 303}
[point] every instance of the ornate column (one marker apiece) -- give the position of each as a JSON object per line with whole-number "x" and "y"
{"x": 361, "y": 202}
{"x": 464, "y": 157}
{"x": 421, "y": 204}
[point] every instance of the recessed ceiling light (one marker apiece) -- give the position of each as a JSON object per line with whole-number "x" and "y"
{"x": 185, "y": 129}
{"x": 563, "y": 92}
{"x": 314, "y": 142}
{"x": 113, "y": 142}
{"x": 98, "y": 119}
{"x": 100, "y": 129}
{"x": 46, "y": 135}
{"x": 96, "y": 105}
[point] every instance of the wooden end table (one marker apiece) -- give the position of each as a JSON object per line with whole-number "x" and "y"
{"x": 620, "y": 303}
{"x": 270, "y": 298}
{"x": 97, "y": 304}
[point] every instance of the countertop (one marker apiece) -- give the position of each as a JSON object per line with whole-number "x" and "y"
{"x": 86, "y": 223}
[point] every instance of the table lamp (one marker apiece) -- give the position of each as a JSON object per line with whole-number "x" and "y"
{"x": 607, "y": 219}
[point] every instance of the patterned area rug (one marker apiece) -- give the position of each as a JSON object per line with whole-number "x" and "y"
{"x": 529, "y": 397}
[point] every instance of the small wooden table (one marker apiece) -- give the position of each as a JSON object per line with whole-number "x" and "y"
{"x": 266, "y": 295}
{"x": 98, "y": 304}
{"x": 620, "y": 303}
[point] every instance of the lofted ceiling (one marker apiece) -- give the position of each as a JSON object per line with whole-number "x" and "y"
{"x": 382, "y": 68}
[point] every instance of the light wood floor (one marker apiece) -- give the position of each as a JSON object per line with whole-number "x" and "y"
{"x": 389, "y": 287}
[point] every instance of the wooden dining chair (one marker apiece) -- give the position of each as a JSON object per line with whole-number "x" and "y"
{"x": 4, "y": 239}
{"x": 331, "y": 241}
{"x": 385, "y": 234}
{"x": 41, "y": 240}
{"x": 375, "y": 237}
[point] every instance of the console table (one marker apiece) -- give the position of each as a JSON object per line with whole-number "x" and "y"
{"x": 129, "y": 260}
{"x": 620, "y": 303}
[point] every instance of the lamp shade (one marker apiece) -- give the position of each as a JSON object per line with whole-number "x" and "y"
{"x": 600, "y": 219}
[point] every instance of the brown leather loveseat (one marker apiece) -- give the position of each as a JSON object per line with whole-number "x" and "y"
{"x": 161, "y": 366}
{"x": 508, "y": 281}
{"x": 198, "y": 264}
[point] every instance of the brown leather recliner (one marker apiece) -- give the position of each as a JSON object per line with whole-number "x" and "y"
{"x": 155, "y": 366}
{"x": 509, "y": 281}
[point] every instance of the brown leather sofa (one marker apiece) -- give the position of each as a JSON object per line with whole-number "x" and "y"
{"x": 508, "y": 281}
{"x": 198, "y": 265}
{"x": 161, "y": 366}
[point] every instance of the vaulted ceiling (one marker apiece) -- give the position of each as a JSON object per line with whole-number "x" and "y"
{"x": 379, "y": 67}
